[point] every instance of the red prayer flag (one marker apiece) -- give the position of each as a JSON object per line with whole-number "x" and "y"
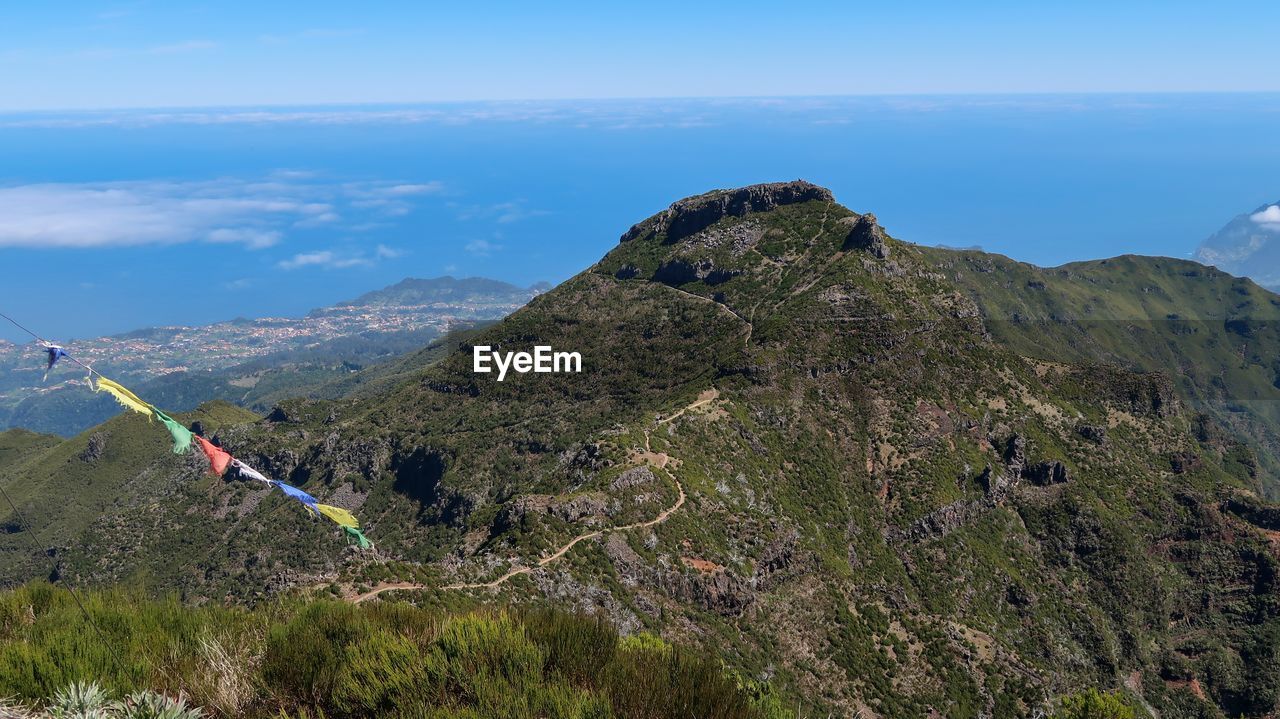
{"x": 218, "y": 458}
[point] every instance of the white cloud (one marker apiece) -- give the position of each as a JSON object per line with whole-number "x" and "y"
{"x": 330, "y": 260}
{"x": 253, "y": 213}
{"x": 424, "y": 188}
{"x": 306, "y": 259}
{"x": 1268, "y": 218}
{"x": 324, "y": 258}
{"x": 139, "y": 213}
{"x": 482, "y": 247}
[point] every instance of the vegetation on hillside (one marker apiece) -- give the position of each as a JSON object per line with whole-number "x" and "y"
{"x": 1216, "y": 336}
{"x": 333, "y": 659}
{"x": 892, "y": 507}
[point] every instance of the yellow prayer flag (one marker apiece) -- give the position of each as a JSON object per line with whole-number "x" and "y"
{"x": 339, "y": 515}
{"x": 126, "y": 398}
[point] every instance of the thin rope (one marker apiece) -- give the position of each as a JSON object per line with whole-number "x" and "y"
{"x": 92, "y": 371}
{"x": 46, "y": 342}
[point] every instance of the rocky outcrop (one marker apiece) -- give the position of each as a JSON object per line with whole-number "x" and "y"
{"x": 351, "y": 455}
{"x": 1092, "y": 432}
{"x": 634, "y": 477}
{"x": 1017, "y": 468}
{"x": 940, "y": 522}
{"x": 693, "y": 214}
{"x": 1254, "y": 511}
{"x": 997, "y": 482}
{"x": 589, "y": 509}
{"x": 866, "y": 234}
{"x": 1043, "y": 474}
{"x": 678, "y": 272}
{"x": 1183, "y": 462}
{"x": 94, "y": 449}
{"x": 781, "y": 560}
{"x": 719, "y": 589}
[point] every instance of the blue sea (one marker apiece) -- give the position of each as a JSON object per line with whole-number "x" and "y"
{"x": 111, "y": 221}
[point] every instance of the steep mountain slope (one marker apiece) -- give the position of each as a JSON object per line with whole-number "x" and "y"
{"x": 1216, "y": 336}
{"x": 795, "y": 441}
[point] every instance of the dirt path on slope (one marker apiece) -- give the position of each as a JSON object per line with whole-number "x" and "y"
{"x": 708, "y": 396}
{"x": 703, "y": 398}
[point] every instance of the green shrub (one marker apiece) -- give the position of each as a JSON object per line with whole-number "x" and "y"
{"x": 330, "y": 659}
{"x": 1093, "y": 704}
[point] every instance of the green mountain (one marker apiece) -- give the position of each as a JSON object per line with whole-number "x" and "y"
{"x": 412, "y": 291}
{"x": 1215, "y": 336}
{"x": 795, "y": 441}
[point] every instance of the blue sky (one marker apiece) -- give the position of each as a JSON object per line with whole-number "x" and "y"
{"x": 179, "y": 162}
{"x": 149, "y": 54}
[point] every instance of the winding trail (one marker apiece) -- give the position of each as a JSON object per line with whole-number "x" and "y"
{"x": 702, "y": 399}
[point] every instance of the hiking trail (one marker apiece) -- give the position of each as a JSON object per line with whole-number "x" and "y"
{"x": 657, "y": 460}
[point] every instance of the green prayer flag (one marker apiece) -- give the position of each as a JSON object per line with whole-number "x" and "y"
{"x": 357, "y": 536}
{"x": 181, "y": 435}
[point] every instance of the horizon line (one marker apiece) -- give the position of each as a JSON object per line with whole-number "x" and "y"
{"x": 350, "y": 105}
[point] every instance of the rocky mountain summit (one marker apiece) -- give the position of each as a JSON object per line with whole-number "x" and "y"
{"x": 694, "y": 214}
{"x": 827, "y": 454}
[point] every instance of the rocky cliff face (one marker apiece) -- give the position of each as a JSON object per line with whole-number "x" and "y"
{"x": 694, "y": 214}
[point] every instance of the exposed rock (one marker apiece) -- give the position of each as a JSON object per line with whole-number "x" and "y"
{"x": 693, "y": 214}
{"x": 573, "y": 509}
{"x": 280, "y": 414}
{"x": 1183, "y": 462}
{"x": 1148, "y": 394}
{"x": 580, "y": 507}
{"x": 1092, "y": 432}
{"x": 866, "y": 234}
{"x": 633, "y": 477}
{"x": 997, "y": 482}
{"x": 679, "y": 272}
{"x": 565, "y": 590}
{"x": 1254, "y": 511}
{"x": 1043, "y": 474}
{"x": 780, "y": 560}
{"x": 96, "y": 446}
{"x": 355, "y": 456}
{"x": 626, "y": 272}
{"x": 940, "y": 522}
{"x": 1015, "y": 454}
{"x": 722, "y": 590}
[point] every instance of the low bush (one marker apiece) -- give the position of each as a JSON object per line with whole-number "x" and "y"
{"x": 327, "y": 658}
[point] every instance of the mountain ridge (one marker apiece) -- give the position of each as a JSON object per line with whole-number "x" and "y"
{"x": 889, "y": 505}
